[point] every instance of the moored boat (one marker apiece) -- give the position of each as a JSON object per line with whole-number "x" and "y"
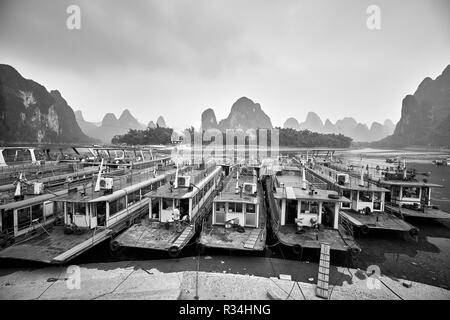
{"x": 366, "y": 209}
{"x": 56, "y": 227}
{"x": 304, "y": 214}
{"x": 238, "y": 219}
{"x": 176, "y": 211}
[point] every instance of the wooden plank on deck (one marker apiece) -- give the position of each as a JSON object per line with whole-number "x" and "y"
{"x": 324, "y": 271}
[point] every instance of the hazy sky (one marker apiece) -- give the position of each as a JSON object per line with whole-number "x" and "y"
{"x": 177, "y": 58}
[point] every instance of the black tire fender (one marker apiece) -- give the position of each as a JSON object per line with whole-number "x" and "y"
{"x": 173, "y": 251}
{"x": 413, "y": 232}
{"x": 364, "y": 229}
{"x": 297, "y": 249}
{"x": 114, "y": 245}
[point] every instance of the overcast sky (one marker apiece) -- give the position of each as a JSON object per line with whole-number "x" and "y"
{"x": 177, "y": 58}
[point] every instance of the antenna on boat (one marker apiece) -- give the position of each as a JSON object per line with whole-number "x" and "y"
{"x": 97, "y": 184}
{"x": 303, "y": 179}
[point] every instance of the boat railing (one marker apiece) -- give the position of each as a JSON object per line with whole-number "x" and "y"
{"x": 346, "y": 225}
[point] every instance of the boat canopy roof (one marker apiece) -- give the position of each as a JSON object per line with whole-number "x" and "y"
{"x": 229, "y": 194}
{"x": 167, "y": 191}
{"x": 410, "y": 183}
{"x": 99, "y": 196}
{"x": 32, "y": 200}
{"x": 300, "y": 194}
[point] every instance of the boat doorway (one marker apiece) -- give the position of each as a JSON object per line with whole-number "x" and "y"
{"x": 101, "y": 213}
{"x": 328, "y": 212}
{"x": 291, "y": 211}
{"x": 184, "y": 207}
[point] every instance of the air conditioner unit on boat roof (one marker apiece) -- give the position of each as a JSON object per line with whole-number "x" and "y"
{"x": 184, "y": 181}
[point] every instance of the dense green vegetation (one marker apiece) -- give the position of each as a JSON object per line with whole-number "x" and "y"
{"x": 156, "y": 135}
{"x": 288, "y": 138}
{"x": 307, "y": 139}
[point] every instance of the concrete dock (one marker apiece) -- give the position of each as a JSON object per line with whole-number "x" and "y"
{"x": 121, "y": 281}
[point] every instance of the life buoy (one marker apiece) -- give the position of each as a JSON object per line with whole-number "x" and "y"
{"x": 297, "y": 249}
{"x": 113, "y": 245}
{"x": 413, "y": 232}
{"x": 173, "y": 251}
{"x": 364, "y": 229}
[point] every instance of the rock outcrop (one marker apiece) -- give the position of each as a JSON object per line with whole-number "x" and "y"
{"x": 29, "y": 113}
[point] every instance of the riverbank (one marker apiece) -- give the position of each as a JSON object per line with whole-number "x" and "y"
{"x": 143, "y": 280}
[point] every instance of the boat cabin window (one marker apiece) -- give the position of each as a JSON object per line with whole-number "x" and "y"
{"x": 79, "y": 208}
{"x": 347, "y": 194}
{"x": 116, "y": 206}
{"x": 354, "y": 193}
{"x": 396, "y": 192}
{"x": 134, "y": 197}
{"x": 234, "y": 207}
{"x": 146, "y": 190}
{"x": 23, "y": 218}
{"x": 250, "y": 208}
{"x": 411, "y": 192}
{"x": 7, "y": 221}
{"x": 309, "y": 207}
{"x": 365, "y": 196}
{"x": 37, "y": 212}
{"x": 167, "y": 203}
{"x": 220, "y": 206}
{"x": 58, "y": 207}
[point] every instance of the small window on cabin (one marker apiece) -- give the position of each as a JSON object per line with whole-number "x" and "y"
{"x": 365, "y": 196}
{"x": 37, "y": 212}
{"x": 220, "y": 206}
{"x": 250, "y": 208}
{"x": 79, "y": 208}
{"x": 304, "y": 207}
{"x": 396, "y": 192}
{"x": 238, "y": 207}
{"x": 377, "y": 196}
{"x": 314, "y": 207}
{"x": 121, "y": 204}
{"x": 411, "y": 192}
{"x": 347, "y": 194}
{"x": 24, "y": 218}
{"x": 112, "y": 208}
{"x": 134, "y": 197}
{"x": 354, "y": 193}
{"x": 231, "y": 207}
{"x": 58, "y": 207}
{"x": 167, "y": 203}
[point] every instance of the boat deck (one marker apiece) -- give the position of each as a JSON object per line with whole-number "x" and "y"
{"x": 54, "y": 247}
{"x": 311, "y": 239}
{"x": 429, "y": 213}
{"x": 377, "y": 220}
{"x": 148, "y": 234}
{"x": 252, "y": 239}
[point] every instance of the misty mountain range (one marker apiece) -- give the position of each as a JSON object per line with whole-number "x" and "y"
{"x": 347, "y": 126}
{"x": 30, "y": 113}
{"x": 111, "y": 125}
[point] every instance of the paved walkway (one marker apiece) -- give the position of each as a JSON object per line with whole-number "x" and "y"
{"x": 121, "y": 282}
